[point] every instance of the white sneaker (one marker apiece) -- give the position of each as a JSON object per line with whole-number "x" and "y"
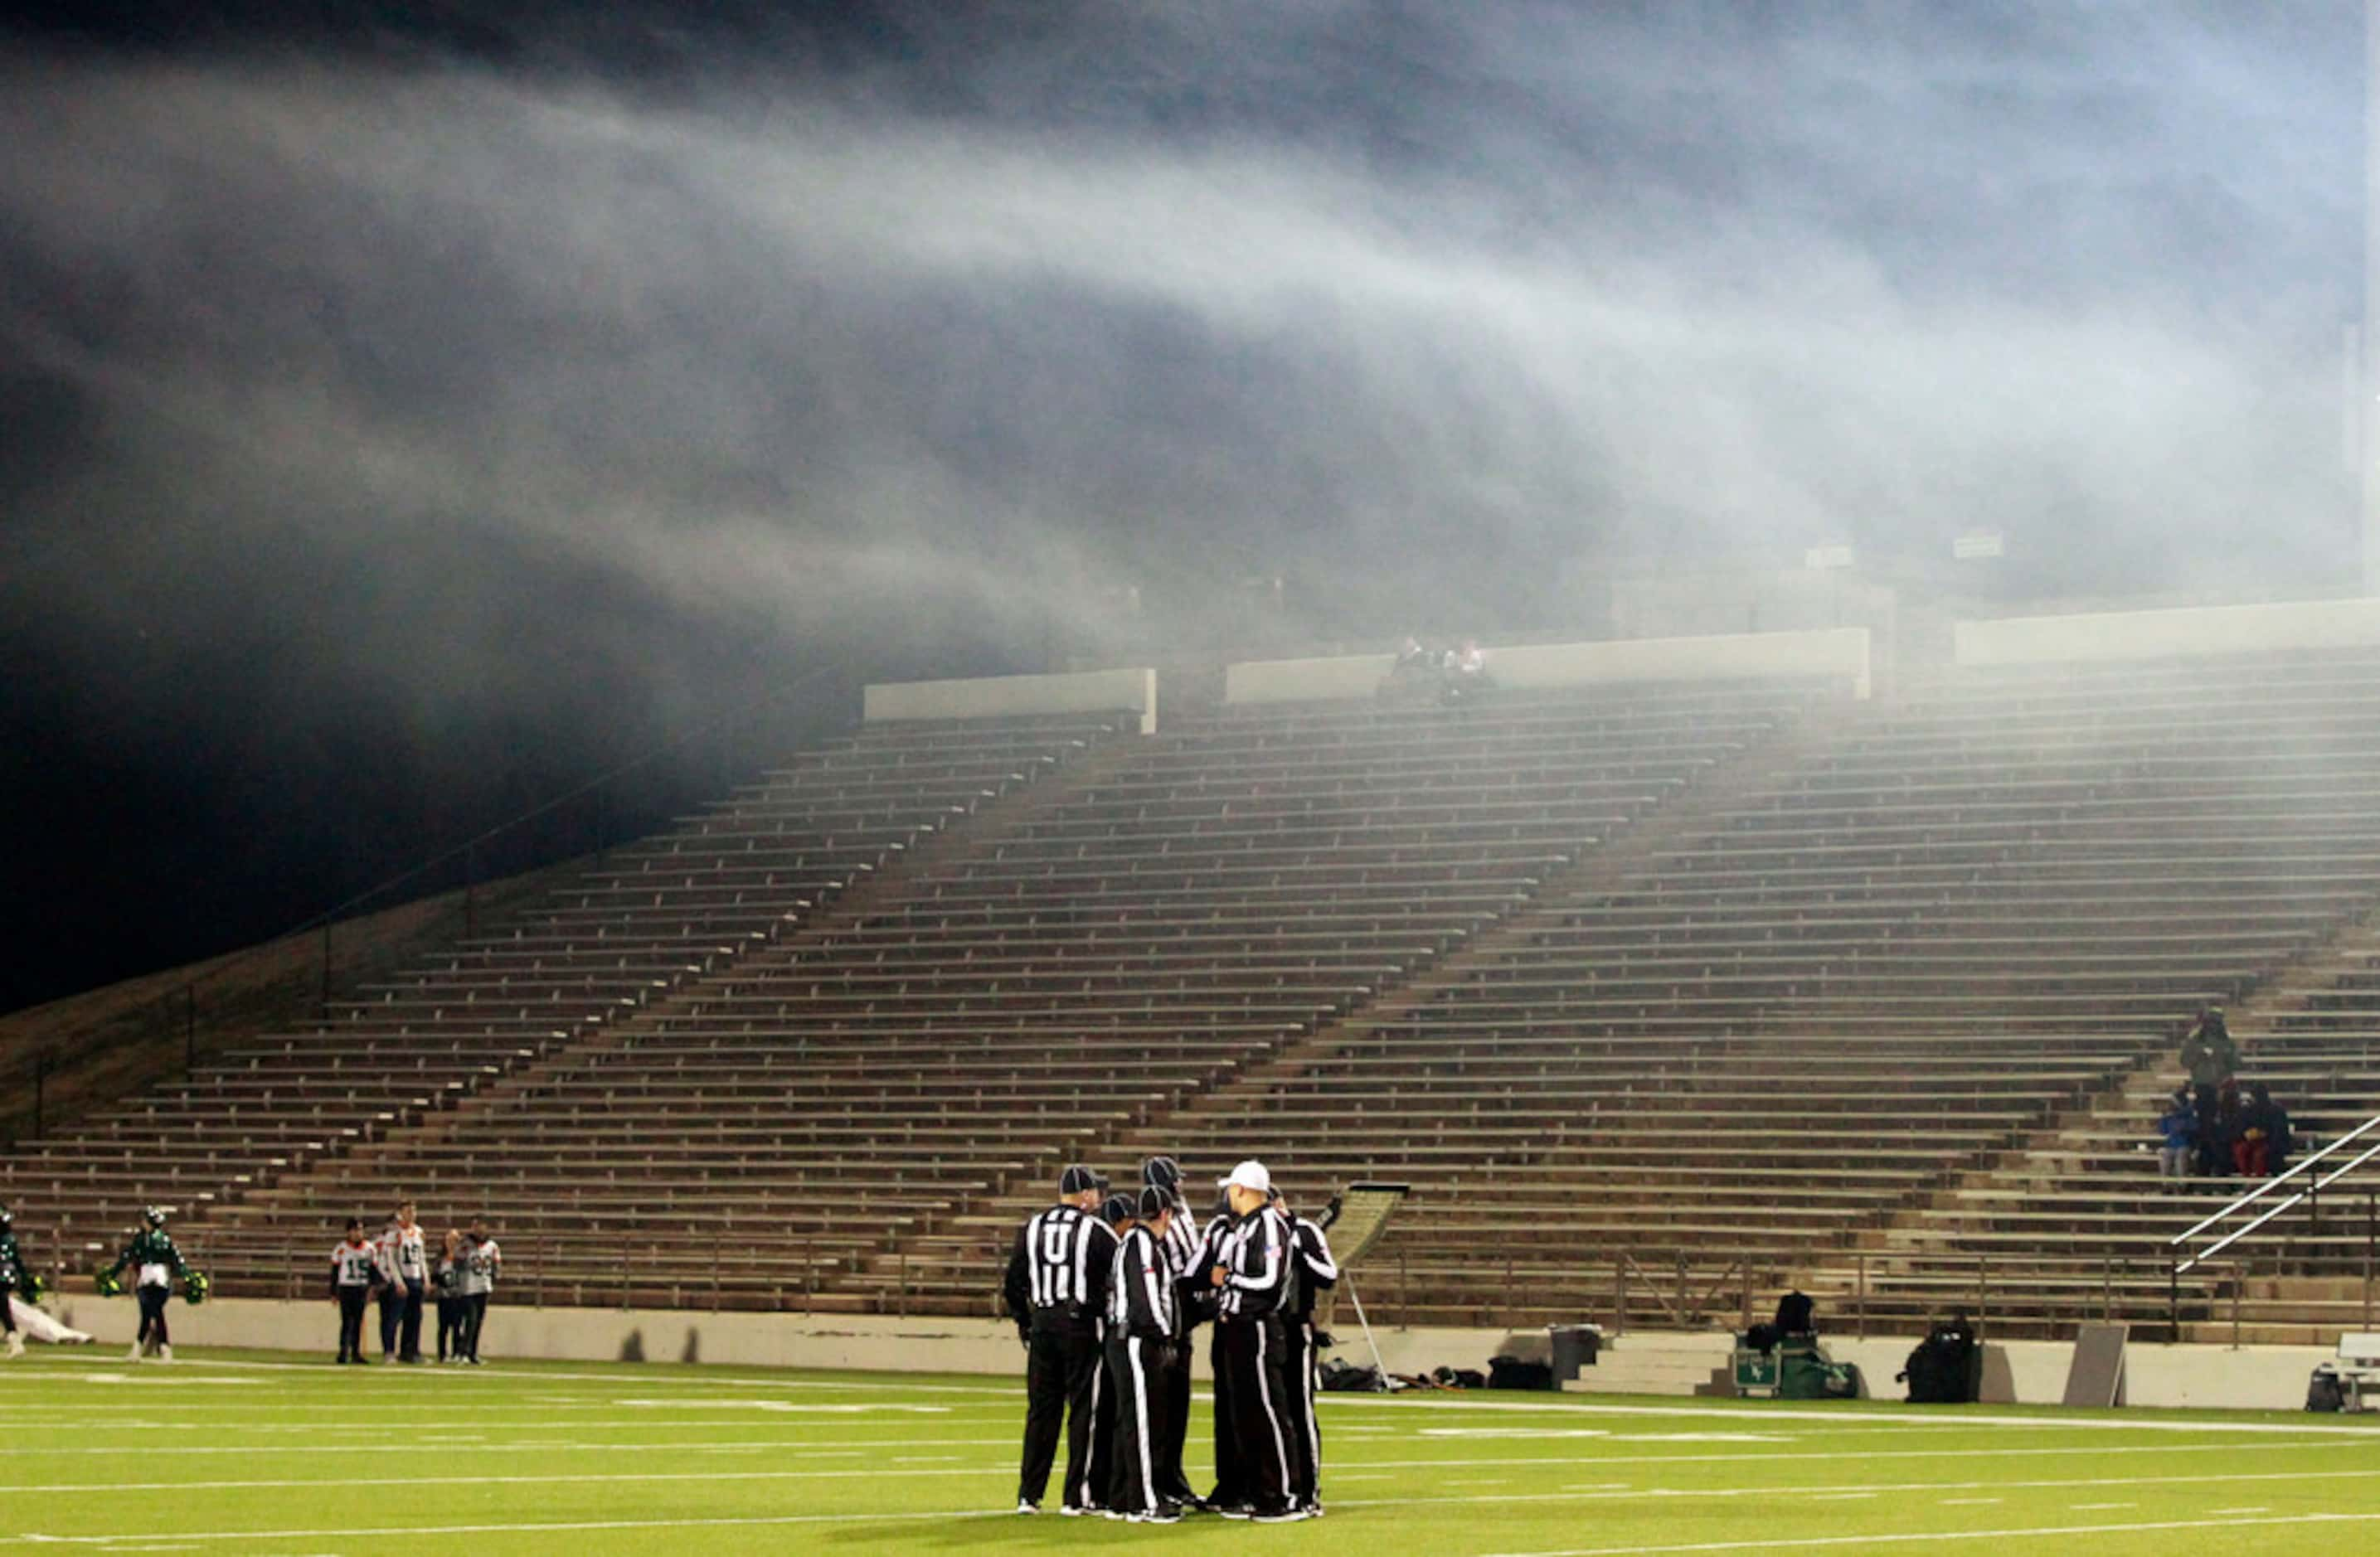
{"x": 165, "y": 1354}
{"x": 134, "y": 1355}
{"x": 16, "y": 1344}
{"x": 1025, "y": 1507}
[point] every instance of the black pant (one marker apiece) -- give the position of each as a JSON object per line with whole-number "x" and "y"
{"x": 352, "y": 1300}
{"x": 1100, "y": 1486}
{"x": 408, "y": 1326}
{"x": 1260, "y": 1430}
{"x": 1173, "y": 1424}
{"x": 153, "y": 1317}
{"x": 475, "y": 1319}
{"x": 8, "y": 1319}
{"x": 1305, "y": 1433}
{"x": 392, "y": 1309}
{"x": 1062, "y": 1384}
{"x": 1228, "y": 1492}
{"x": 450, "y": 1324}
{"x": 1137, "y": 1371}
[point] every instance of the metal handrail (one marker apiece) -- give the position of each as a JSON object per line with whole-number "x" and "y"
{"x": 2272, "y": 1184}
{"x": 2320, "y": 1185}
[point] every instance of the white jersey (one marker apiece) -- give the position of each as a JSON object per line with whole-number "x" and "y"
{"x": 412, "y": 1255}
{"x": 478, "y": 1264}
{"x": 352, "y": 1263}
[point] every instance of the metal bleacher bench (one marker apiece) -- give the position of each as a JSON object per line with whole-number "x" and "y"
{"x": 2359, "y": 1366}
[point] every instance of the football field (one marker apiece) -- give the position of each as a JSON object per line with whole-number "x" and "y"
{"x": 267, "y": 1452}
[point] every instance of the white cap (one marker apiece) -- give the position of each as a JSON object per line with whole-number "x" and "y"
{"x": 1250, "y": 1175}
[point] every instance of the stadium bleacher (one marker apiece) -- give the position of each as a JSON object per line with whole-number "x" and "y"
{"x": 1647, "y": 989}
{"x": 654, "y": 919}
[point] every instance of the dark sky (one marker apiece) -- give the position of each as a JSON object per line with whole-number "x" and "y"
{"x": 405, "y": 411}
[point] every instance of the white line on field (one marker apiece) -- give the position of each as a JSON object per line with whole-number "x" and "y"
{"x": 1005, "y": 1468}
{"x": 1970, "y": 1502}
{"x": 2258, "y": 1509}
{"x": 1809, "y": 1541}
{"x": 1747, "y": 1415}
{"x": 1839, "y": 1497}
{"x": 442, "y": 1384}
{"x": 116, "y": 1543}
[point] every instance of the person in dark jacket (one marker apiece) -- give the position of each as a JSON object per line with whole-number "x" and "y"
{"x": 2262, "y": 1148}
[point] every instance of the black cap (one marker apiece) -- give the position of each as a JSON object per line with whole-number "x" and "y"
{"x": 1076, "y": 1179}
{"x": 1163, "y": 1172}
{"x": 1116, "y": 1209}
{"x": 1154, "y": 1202}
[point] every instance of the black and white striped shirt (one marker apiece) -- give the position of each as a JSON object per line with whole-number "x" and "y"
{"x": 1140, "y": 1289}
{"x": 1184, "y": 1252}
{"x": 1316, "y": 1268}
{"x": 1064, "y": 1254}
{"x": 1256, "y": 1251}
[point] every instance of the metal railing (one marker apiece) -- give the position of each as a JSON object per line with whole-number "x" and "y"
{"x": 2187, "y": 1259}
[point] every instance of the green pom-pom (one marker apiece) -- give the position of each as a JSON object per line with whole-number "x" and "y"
{"x": 35, "y": 1288}
{"x": 110, "y": 1285}
{"x": 195, "y": 1287}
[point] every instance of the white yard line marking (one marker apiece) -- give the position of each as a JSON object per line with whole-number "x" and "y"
{"x": 1839, "y": 1497}
{"x": 262, "y": 1484}
{"x": 1970, "y": 1502}
{"x": 2258, "y": 1509}
{"x": 1760, "y": 1415}
{"x": 1005, "y": 1469}
{"x": 119, "y": 1542}
{"x": 2098, "y": 1507}
{"x": 440, "y": 1382}
{"x": 1806, "y": 1542}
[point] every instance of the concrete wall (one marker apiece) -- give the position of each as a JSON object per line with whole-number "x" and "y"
{"x": 1840, "y": 652}
{"x": 1083, "y": 692}
{"x": 2159, "y": 635}
{"x": 2264, "y": 1378}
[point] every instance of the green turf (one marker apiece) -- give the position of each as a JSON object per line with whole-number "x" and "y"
{"x": 262, "y": 1453}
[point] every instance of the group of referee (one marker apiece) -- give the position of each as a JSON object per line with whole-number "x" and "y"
{"x": 1107, "y": 1290}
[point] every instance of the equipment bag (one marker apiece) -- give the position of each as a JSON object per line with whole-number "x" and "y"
{"x": 2324, "y": 1391}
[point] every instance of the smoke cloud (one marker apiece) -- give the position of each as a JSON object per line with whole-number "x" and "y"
{"x": 422, "y": 374}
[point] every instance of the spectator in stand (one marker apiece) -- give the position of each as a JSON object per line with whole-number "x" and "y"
{"x": 2216, "y": 1145}
{"x": 2178, "y": 1136}
{"x": 2208, "y": 1051}
{"x": 2262, "y": 1150}
{"x": 1466, "y": 671}
{"x": 1412, "y": 674}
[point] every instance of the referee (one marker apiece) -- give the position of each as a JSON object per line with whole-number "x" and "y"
{"x": 1255, "y": 1278}
{"x": 1056, "y": 1290}
{"x": 1180, "y": 1245}
{"x": 1141, "y": 1299}
{"x": 1310, "y": 1252}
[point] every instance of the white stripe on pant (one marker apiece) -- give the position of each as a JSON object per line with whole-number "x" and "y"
{"x": 1263, "y": 1393}
{"x": 1312, "y": 1428}
{"x": 1145, "y": 1443}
